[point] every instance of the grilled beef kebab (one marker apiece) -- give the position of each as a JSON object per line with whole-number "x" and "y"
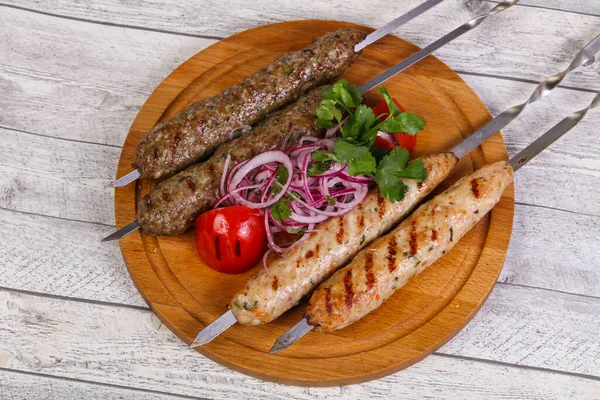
{"x": 198, "y": 130}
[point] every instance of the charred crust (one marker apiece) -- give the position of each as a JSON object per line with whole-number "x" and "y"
{"x": 340, "y": 235}
{"x": 369, "y": 271}
{"x": 392, "y": 250}
{"x": 361, "y": 221}
{"x": 380, "y": 205}
{"x": 349, "y": 297}
{"x": 413, "y": 238}
{"x": 475, "y": 188}
{"x": 328, "y": 306}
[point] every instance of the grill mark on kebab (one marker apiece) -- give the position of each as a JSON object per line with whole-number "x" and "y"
{"x": 413, "y": 238}
{"x": 369, "y": 271}
{"x": 475, "y": 188}
{"x": 328, "y": 306}
{"x": 349, "y": 297}
{"x": 392, "y": 250}
{"x": 380, "y": 205}
{"x": 361, "y": 221}
{"x": 340, "y": 233}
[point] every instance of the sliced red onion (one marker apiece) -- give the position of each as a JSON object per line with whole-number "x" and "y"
{"x": 358, "y": 179}
{"x": 259, "y": 160}
{"x": 252, "y": 182}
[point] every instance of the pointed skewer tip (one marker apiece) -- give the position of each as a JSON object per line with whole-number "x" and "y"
{"x": 291, "y": 336}
{"x": 214, "y": 329}
{"x": 124, "y": 231}
{"x": 125, "y": 179}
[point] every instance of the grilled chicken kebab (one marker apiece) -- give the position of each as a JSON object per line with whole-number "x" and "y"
{"x": 334, "y": 243}
{"x": 392, "y": 260}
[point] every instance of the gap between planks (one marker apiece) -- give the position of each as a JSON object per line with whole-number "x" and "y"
{"x": 103, "y": 384}
{"x": 139, "y": 28}
{"x": 210, "y": 37}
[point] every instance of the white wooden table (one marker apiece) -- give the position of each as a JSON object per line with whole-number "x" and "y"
{"x": 73, "y": 75}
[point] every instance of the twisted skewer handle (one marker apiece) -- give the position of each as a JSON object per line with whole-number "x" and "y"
{"x": 540, "y": 91}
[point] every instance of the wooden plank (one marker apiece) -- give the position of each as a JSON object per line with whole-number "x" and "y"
{"x": 20, "y": 386}
{"x": 81, "y": 81}
{"x": 95, "y": 97}
{"x": 58, "y": 178}
{"x": 578, "y": 6}
{"x": 525, "y": 42}
{"x": 63, "y": 258}
{"x": 48, "y": 336}
{"x": 525, "y": 326}
{"x": 554, "y": 250}
{"x": 561, "y": 175}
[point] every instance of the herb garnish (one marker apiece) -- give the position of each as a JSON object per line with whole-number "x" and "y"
{"x": 281, "y": 210}
{"x": 359, "y": 130}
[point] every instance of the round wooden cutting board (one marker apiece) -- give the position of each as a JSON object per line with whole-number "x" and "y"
{"x": 418, "y": 319}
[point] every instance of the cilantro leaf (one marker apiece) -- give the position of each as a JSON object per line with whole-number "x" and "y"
{"x": 326, "y": 112}
{"x": 318, "y": 168}
{"x": 415, "y": 170}
{"x": 394, "y": 166}
{"x": 323, "y": 155}
{"x": 360, "y": 126}
{"x": 346, "y": 95}
{"x": 405, "y": 122}
{"x": 396, "y": 160}
{"x": 281, "y": 210}
{"x": 359, "y": 158}
{"x": 297, "y": 231}
{"x": 379, "y": 152}
{"x": 330, "y": 200}
{"x": 281, "y": 177}
{"x": 394, "y": 110}
{"x": 355, "y": 93}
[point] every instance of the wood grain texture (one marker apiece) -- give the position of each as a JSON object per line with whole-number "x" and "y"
{"x": 79, "y": 81}
{"x": 524, "y": 42}
{"x": 20, "y": 386}
{"x": 131, "y": 348}
{"x": 555, "y": 250}
{"x": 187, "y": 295}
{"x": 519, "y": 336}
{"x": 57, "y": 178}
{"x": 92, "y": 270}
{"x": 63, "y": 258}
{"x": 86, "y": 81}
{"x": 577, "y": 6}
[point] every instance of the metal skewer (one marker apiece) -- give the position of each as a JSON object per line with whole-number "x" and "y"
{"x": 227, "y": 319}
{"x": 126, "y": 179}
{"x": 398, "y": 22}
{"x": 421, "y": 54}
{"x": 371, "y": 38}
{"x": 498, "y": 123}
{"x": 385, "y": 75}
{"x": 303, "y": 326}
{"x": 554, "y": 133}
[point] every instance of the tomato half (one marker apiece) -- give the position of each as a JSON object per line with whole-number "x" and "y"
{"x": 230, "y": 239}
{"x": 390, "y": 140}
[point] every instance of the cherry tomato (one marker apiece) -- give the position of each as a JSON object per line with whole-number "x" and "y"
{"x": 230, "y": 239}
{"x": 386, "y": 140}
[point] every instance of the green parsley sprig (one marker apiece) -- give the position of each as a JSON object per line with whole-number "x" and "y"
{"x": 359, "y": 130}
